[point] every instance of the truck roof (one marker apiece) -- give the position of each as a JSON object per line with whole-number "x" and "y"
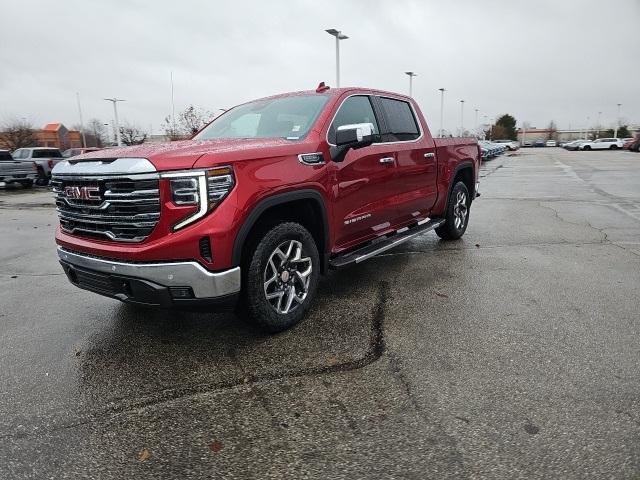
{"x": 333, "y": 92}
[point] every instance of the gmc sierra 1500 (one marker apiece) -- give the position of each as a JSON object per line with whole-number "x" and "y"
{"x": 261, "y": 201}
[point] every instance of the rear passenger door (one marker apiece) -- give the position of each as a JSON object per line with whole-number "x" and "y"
{"x": 415, "y": 153}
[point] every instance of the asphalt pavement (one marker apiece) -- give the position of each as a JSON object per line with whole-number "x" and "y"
{"x": 512, "y": 353}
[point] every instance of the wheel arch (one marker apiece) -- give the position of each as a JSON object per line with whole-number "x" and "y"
{"x": 290, "y": 206}
{"x": 465, "y": 171}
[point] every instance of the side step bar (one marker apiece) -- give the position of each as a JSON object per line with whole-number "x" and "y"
{"x": 371, "y": 250}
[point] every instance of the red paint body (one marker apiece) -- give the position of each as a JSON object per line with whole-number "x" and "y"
{"x": 389, "y": 196}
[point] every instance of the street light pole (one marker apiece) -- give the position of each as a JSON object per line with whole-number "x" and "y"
{"x": 615, "y": 133}
{"x": 115, "y": 115}
{"x": 84, "y": 140}
{"x": 411, "y": 75}
{"x": 442, "y": 90}
{"x": 475, "y": 124}
{"x": 461, "y": 118}
{"x": 339, "y": 36}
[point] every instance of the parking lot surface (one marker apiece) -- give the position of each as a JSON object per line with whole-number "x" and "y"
{"x": 512, "y": 353}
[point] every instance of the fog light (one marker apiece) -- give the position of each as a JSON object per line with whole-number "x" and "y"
{"x": 181, "y": 292}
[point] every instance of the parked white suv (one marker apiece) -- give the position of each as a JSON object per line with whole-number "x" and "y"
{"x": 603, "y": 144}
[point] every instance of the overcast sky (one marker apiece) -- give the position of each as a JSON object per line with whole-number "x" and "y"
{"x": 538, "y": 60}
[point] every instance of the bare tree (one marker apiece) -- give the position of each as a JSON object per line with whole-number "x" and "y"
{"x": 94, "y": 132}
{"x": 189, "y": 121}
{"x": 131, "y": 134}
{"x": 17, "y": 134}
{"x": 553, "y": 131}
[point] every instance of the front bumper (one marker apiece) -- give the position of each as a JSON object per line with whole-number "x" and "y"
{"x": 17, "y": 177}
{"x": 171, "y": 284}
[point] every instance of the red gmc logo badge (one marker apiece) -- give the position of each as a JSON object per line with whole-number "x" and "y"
{"x": 82, "y": 193}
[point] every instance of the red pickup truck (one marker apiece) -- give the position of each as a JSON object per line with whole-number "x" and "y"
{"x": 261, "y": 201}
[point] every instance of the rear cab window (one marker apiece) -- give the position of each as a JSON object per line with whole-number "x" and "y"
{"x": 47, "y": 154}
{"x": 5, "y": 156}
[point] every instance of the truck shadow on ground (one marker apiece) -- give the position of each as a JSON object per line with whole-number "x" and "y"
{"x": 143, "y": 357}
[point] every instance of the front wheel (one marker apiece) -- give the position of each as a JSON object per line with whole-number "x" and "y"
{"x": 457, "y": 214}
{"x": 27, "y": 184}
{"x": 282, "y": 277}
{"x": 586, "y": 147}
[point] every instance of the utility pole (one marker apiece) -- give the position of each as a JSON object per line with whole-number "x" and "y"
{"x": 461, "y": 118}
{"x": 115, "y": 115}
{"x": 599, "y": 125}
{"x": 84, "y": 140}
{"x": 339, "y": 36}
{"x": 411, "y": 75}
{"x": 173, "y": 107}
{"x": 442, "y": 90}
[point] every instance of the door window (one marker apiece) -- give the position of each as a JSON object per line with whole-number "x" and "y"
{"x": 356, "y": 109}
{"x": 401, "y": 123}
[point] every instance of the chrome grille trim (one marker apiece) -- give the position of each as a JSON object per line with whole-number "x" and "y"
{"x": 128, "y": 209}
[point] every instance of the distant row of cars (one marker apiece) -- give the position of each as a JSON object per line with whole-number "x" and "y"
{"x": 632, "y": 144}
{"x": 27, "y": 166}
{"x": 492, "y": 148}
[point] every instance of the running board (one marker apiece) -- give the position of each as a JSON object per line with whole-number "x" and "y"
{"x": 402, "y": 235}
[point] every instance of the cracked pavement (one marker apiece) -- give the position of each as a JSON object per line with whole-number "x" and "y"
{"x": 512, "y": 353}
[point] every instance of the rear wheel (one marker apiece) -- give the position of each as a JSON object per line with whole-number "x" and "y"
{"x": 282, "y": 277}
{"x": 586, "y": 147}
{"x": 613, "y": 147}
{"x": 42, "y": 179}
{"x": 457, "y": 214}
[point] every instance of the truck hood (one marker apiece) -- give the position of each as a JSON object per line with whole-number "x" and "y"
{"x": 185, "y": 153}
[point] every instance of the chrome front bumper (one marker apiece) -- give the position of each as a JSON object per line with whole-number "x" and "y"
{"x": 205, "y": 284}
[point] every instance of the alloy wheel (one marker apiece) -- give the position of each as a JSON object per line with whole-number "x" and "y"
{"x": 460, "y": 210}
{"x": 287, "y": 276}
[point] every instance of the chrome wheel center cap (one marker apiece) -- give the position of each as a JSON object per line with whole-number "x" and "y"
{"x": 284, "y": 276}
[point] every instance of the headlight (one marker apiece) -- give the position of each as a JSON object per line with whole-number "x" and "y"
{"x": 204, "y": 189}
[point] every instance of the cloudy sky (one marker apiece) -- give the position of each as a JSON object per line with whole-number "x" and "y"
{"x": 538, "y": 60}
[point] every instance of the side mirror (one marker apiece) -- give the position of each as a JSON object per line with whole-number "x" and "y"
{"x": 356, "y": 135}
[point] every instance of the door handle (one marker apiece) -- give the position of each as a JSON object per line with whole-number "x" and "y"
{"x": 387, "y": 160}
{"x": 429, "y": 155}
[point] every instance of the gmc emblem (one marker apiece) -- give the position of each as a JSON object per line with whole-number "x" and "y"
{"x": 82, "y": 193}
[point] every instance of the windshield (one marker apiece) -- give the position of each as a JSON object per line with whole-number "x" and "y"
{"x": 286, "y": 117}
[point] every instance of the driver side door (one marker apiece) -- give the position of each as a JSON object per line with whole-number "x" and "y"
{"x": 363, "y": 203}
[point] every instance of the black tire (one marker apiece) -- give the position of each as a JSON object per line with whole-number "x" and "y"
{"x": 42, "y": 179}
{"x": 456, "y": 219}
{"x": 27, "y": 184}
{"x": 264, "y": 277}
{"x": 613, "y": 147}
{"x": 586, "y": 147}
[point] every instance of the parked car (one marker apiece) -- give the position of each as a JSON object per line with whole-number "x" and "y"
{"x": 510, "y": 144}
{"x": 16, "y": 171}
{"x": 44, "y": 157}
{"x": 539, "y": 143}
{"x": 634, "y": 145}
{"x": 73, "y": 152}
{"x": 575, "y": 144}
{"x": 603, "y": 144}
{"x": 493, "y": 149}
{"x": 261, "y": 201}
{"x": 551, "y": 143}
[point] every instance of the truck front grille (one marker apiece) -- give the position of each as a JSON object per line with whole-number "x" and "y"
{"x": 121, "y": 208}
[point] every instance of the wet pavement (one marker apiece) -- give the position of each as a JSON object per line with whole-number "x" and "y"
{"x": 513, "y": 353}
